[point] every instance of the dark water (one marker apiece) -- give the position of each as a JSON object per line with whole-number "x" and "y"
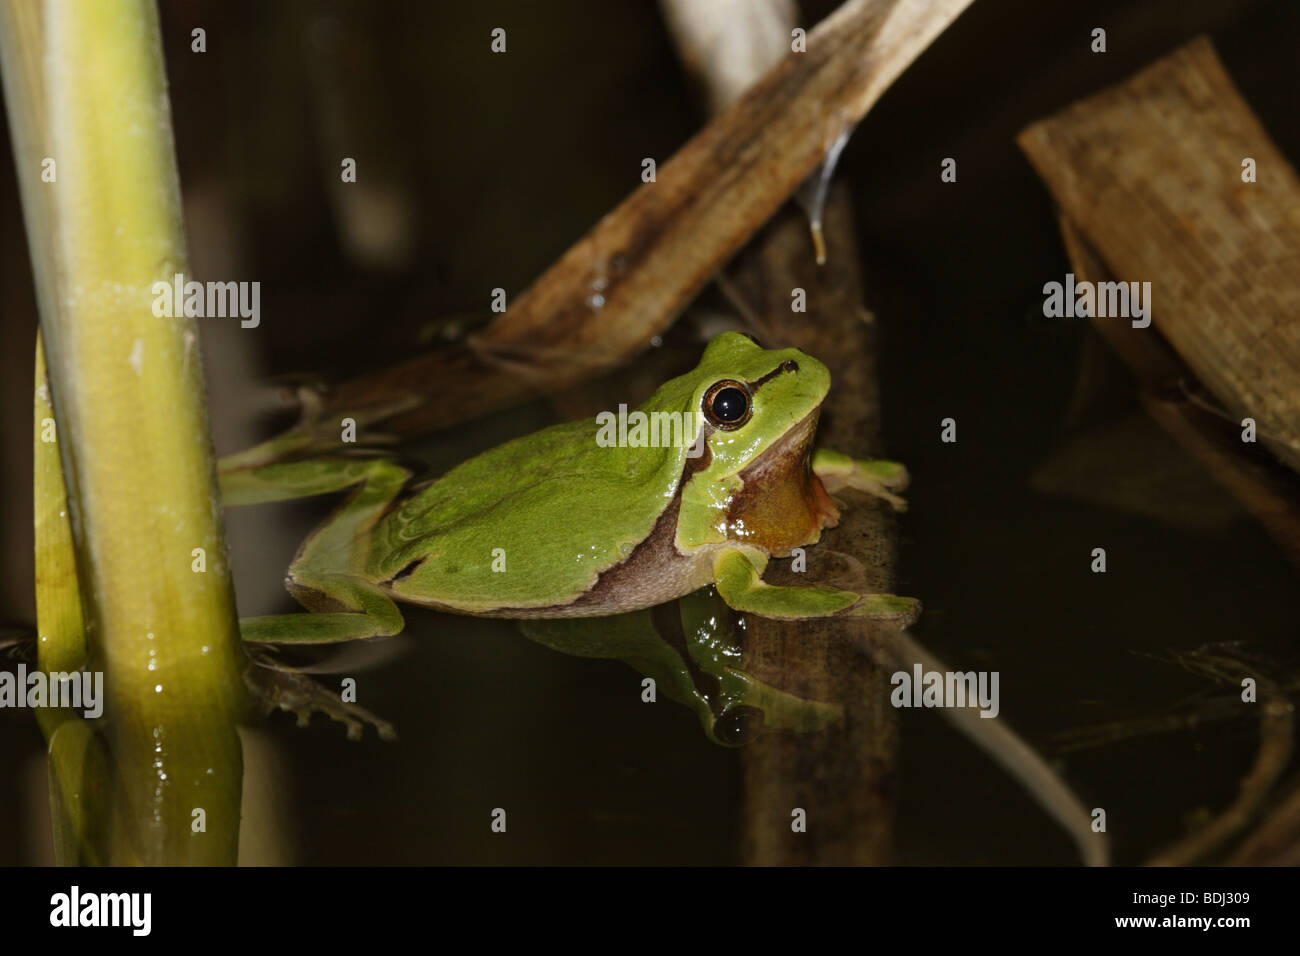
{"x": 504, "y": 162}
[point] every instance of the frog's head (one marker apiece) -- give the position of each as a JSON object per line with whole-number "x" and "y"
{"x": 753, "y": 482}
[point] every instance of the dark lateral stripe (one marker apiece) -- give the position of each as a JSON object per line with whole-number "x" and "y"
{"x": 407, "y": 571}
{"x": 783, "y": 367}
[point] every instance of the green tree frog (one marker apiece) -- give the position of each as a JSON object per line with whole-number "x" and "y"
{"x": 559, "y": 525}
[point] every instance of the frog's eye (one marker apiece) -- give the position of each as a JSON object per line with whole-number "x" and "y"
{"x": 752, "y": 339}
{"x": 739, "y": 725}
{"x": 727, "y": 404}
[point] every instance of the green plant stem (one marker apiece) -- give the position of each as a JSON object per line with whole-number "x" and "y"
{"x": 85, "y": 88}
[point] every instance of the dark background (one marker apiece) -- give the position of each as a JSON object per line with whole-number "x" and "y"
{"x": 486, "y": 168}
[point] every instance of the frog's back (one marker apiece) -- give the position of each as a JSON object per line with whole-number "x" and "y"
{"x": 530, "y": 523}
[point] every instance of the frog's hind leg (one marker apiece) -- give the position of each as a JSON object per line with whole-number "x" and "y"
{"x": 363, "y": 611}
{"x": 367, "y": 612}
{"x": 342, "y": 605}
{"x": 323, "y": 576}
{"x": 274, "y": 686}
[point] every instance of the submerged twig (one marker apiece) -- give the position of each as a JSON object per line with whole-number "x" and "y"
{"x": 1276, "y": 745}
{"x": 1015, "y": 756}
{"x": 1266, "y": 489}
{"x": 1177, "y": 185}
{"x": 1277, "y": 841}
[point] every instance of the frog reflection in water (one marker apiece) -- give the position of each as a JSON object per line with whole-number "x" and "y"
{"x": 555, "y": 525}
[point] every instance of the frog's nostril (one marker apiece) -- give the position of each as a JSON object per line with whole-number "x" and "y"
{"x": 789, "y": 365}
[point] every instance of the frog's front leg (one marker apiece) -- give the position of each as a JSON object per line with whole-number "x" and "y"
{"x": 738, "y": 578}
{"x": 875, "y": 476}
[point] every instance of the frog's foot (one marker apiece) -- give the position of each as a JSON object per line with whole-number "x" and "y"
{"x": 875, "y": 476}
{"x": 739, "y": 582}
{"x": 888, "y": 609}
{"x": 272, "y": 686}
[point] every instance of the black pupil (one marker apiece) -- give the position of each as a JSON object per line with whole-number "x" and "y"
{"x": 730, "y": 404}
{"x": 739, "y": 725}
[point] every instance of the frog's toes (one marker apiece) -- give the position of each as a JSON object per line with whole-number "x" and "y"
{"x": 875, "y": 476}
{"x": 898, "y": 503}
{"x": 888, "y": 608}
{"x": 301, "y": 696}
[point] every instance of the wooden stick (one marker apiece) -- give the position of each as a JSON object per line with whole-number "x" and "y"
{"x": 627, "y": 279}
{"x": 845, "y": 778}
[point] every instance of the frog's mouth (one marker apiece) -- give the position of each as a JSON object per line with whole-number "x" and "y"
{"x": 782, "y": 503}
